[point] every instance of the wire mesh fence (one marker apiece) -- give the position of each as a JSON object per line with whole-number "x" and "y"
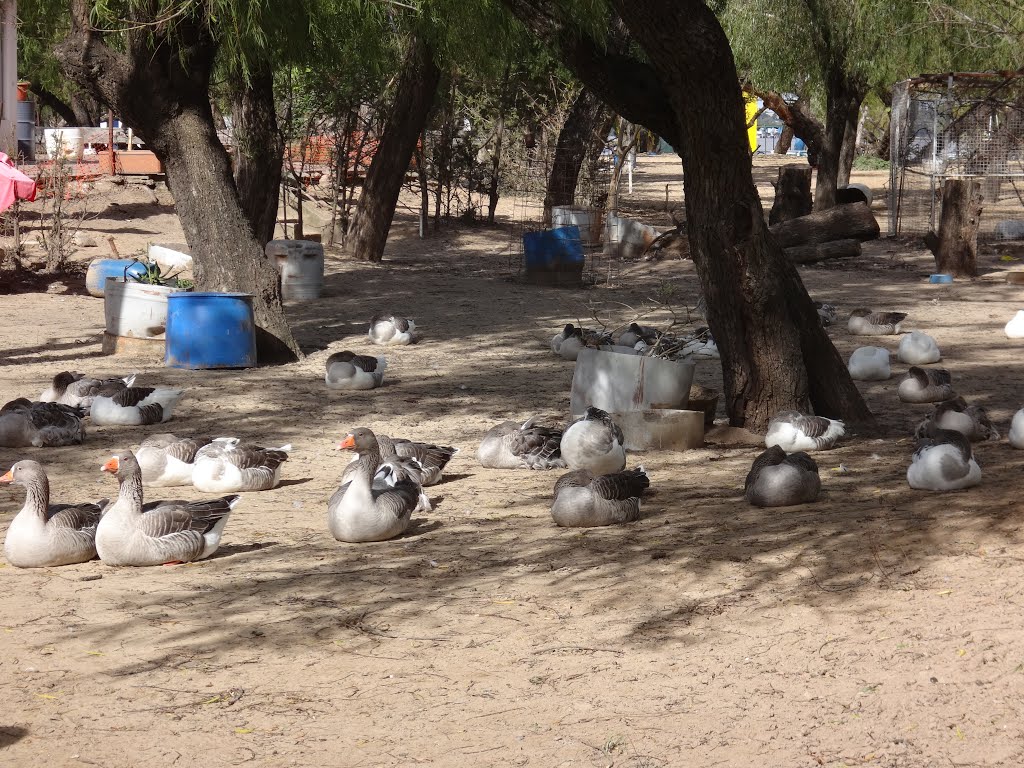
{"x": 959, "y": 126}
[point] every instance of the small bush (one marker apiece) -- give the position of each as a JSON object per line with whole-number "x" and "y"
{"x": 870, "y": 163}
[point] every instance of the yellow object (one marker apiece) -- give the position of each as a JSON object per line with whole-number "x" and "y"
{"x": 751, "y": 110}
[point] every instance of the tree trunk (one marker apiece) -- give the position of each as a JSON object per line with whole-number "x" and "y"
{"x": 785, "y": 141}
{"x": 575, "y": 142}
{"x": 162, "y": 89}
{"x": 834, "y": 249}
{"x": 414, "y": 95}
{"x": 956, "y": 247}
{"x": 843, "y": 100}
{"x": 258, "y": 151}
{"x": 796, "y": 117}
{"x": 853, "y": 220}
{"x": 52, "y": 101}
{"x": 792, "y": 194}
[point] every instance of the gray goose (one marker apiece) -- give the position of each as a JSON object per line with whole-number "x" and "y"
{"x": 43, "y": 534}
{"x": 159, "y": 532}
{"x": 377, "y": 501}
{"x": 135, "y": 405}
{"x": 926, "y": 385}
{"x": 347, "y": 370}
{"x": 225, "y": 465}
{"x": 72, "y": 388}
{"x": 167, "y": 460}
{"x": 568, "y": 343}
{"x": 795, "y": 431}
{"x": 24, "y": 423}
{"x": 595, "y": 443}
{"x": 972, "y": 421}
{"x": 780, "y": 480}
{"x": 430, "y": 459}
{"x": 864, "y": 322}
{"x": 943, "y": 461}
{"x": 391, "y": 329}
{"x": 583, "y": 500}
{"x": 511, "y": 445}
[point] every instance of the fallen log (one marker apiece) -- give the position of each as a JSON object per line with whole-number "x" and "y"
{"x": 843, "y": 222}
{"x": 834, "y": 249}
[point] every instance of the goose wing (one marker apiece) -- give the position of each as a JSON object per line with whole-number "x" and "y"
{"x": 769, "y": 458}
{"x": 537, "y": 445}
{"x": 620, "y": 486}
{"x": 802, "y": 461}
{"x": 578, "y": 478}
{"x": 428, "y": 454}
{"x": 886, "y": 318}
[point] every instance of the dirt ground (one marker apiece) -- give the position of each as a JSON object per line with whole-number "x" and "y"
{"x": 879, "y": 626}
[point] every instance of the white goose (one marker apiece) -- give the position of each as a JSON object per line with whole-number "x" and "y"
{"x": 226, "y": 466}
{"x": 864, "y": 322}
{"x": 378, "y": 501}
{"x": 24, "y": 423}
{"x": 511, "y": 445}
{"x": 780, "y": 480}
{"x": 926, "y": 385}
{"x": 870, "y": 364}
{"x": 137, "y": 534}
{"x": 347, "y": 370}
{"x": 795, "y": 431}
{"x": 1015, "y": 328}
{"x": 585, "y": 501}
{"x": 568, "y": 343}
{"x": 43, "y": 534}
{"x": 918, "y": 348}
{"x": 391, "y": 329}
{"x": 72, "y": 388}
{"x": 135, "y": 405}
{"x": 167, "y": 460}
{"x": 943, "y": 461}
{"x": 1016, "y": 435}
{"x": 972, "y": 421}
{"x": 594, "y": 443}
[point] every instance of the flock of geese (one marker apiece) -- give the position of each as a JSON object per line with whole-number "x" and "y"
{"x": 383, "y": 485}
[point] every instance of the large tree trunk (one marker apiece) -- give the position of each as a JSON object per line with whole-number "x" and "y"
{"x": 258, "y": 151}
{"x": 161, "y": 89}
{"x": 589, "y": 118}
{"x": 792, "y": 194}
{"x": 843, "y": 100}
{"x": 414, "y": 95}
{"x": 956, "y": 246}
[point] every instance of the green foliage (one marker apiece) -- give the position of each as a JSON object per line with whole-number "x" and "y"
{"x": 154, "y": 276}
{"x": 870, "y": 163}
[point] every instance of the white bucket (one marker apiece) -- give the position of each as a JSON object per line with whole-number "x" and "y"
{"x": 69, "y": 139}
{"x": 617, "y": 382}
{"x": 301, "y": 263}
{"x": 170, "y": 256}
{"x": 135, "y": 309}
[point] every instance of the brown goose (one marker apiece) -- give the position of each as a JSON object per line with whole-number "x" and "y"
{"x": 133, "y": 533}
{"x": 780, "y": 480}
{"x": 521, "y": 446}
{"x": 24, "y": 423}
{"x": 926, "y": 385}
{"x": 135, "y": 405}
{"x": 167, "y": 460}
{"x": 227, "y": 466}
{"x": 43, "y": 534}
{"x": 72, "y": 388}
{"x": 583, "y": 500}
{"x": 864, "y": 322}
{"x": 378, "y": 501}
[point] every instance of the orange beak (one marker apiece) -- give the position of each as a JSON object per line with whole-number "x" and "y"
{"x": 7, "y": 478}
{"x": 112, "y": 465}
{"x": 348, "y": 443}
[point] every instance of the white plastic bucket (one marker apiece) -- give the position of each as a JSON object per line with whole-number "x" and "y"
{"x": 135, "y": 309}
{"x": 301, "y": 263}
{"x": 68, "y": 139}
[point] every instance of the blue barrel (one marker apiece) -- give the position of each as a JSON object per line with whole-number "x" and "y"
{"x": 553, "y": 249}
{"x": 101, "y": 269}
{"x": 210, "y": 330}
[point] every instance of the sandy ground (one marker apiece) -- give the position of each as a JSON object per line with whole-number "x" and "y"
{"x": 878, "y": 627}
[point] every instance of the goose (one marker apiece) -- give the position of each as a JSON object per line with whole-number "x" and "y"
{"x": 24, "y": 423}
{"x": 870, "y": 364}
{"x": 72, "y": 388}
{"x": 135, "y": 405}
{"x": 795, "y": 431}
{"x": 347, "y": 370}
{"x": 594, "y": 443}
{"x": 918, "y": 348}
{"x": 167, "y": 460}
{"x": 378, "y": 501}
{"x": 943, "y": 461}
{"x": 159, "y": 532}
{"x": 391, "y": 330}
{"x": 1015, "y": 328}
{"x": 1016, "y": 434}
{"x": 583, "y": 500}
{"x": 700, "y": 346}
{"x": 926, "y": 385}
{"x": 43, "y": 534}
{"x": 972, "y": 421}
{"x": 572, "y": 339}
{"x": 780, "y": 480}
{"x": 864, "y": 322}
{"x": 636, "y": 333}
{"x": 511, "y": 445}
{"x": 424, "y": 461}
{"x": 227, "y": 466}
{"x": 826, "y": 312}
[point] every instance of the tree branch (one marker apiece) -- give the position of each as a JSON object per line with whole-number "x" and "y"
{"x": 52, "y": 101}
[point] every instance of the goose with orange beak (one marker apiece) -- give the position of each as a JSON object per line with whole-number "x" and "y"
{"x": 378, "y": 500}
{"x": 158, "y": 532}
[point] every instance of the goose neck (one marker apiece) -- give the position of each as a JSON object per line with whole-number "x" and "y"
{"x": 37, "y": 494}
{"x": 130, "y": 491}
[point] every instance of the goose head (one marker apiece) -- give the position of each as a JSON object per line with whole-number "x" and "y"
{"x": 121, "y": 464}
{"x": 24, "y": 472}
{"x": 361, "y": 440}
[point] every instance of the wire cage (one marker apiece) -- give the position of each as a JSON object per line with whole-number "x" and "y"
{"x": 957, "y": 126}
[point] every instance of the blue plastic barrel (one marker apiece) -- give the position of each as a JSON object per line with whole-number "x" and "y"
{"x": 558, "y": 248}
{"x": 210, "y": 330}
{"x": 101, "y": 269}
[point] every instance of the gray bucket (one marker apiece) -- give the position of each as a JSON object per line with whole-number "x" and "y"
{"x": 618, "y": 382}
{"x": 301, "y": 264}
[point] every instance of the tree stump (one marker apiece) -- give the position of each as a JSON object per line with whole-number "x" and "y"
{"x": 956, "y": 246}
{"x": 792, "y": 195}
{"x": 834, "y": 249}
{"x": 852, "y": 221}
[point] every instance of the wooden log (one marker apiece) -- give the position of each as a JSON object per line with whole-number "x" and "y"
{"x": 956, "y": 246}
{"x": 850, "y": 221}
{"x": 834, "y": 249}
{"x": 792, "y": 194}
